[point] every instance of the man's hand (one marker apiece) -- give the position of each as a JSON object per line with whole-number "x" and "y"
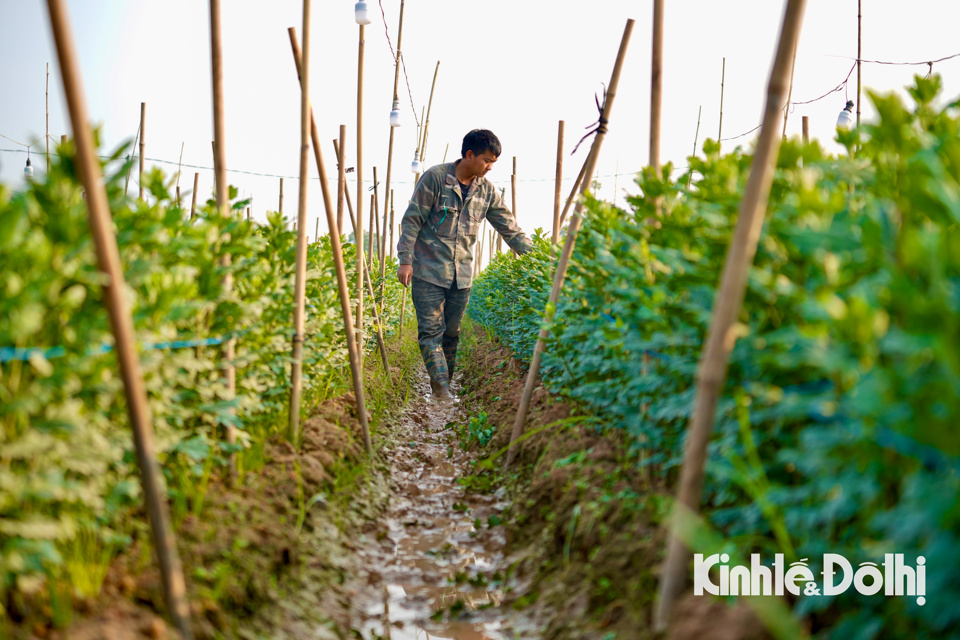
{"x": 405, "y": 274}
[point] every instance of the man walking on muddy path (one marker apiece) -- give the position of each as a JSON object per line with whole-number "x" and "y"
{"x": 438, "y": 233}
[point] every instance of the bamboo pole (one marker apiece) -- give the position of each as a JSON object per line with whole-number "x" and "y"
{"x": 300, "y": 287}
{"x": 403, "y": 303}
{"x": 341, "y": 177}
{"x": 656, "y": 86}
{"x": 573, "y": 193}
{"x": 373, "y": 216}
{"x": 426, "y": 124}
{"x": 316, "y": 231}
{"x": 47, "y": 137}
{"x": 121, "y": 321}
{"x": 248, "y": 213}
{"x": 346, "y": 193}
{"x": 416, "y": 153}
{"x": 178, "y": 196}
{"x": 358, "y": 232}
{"x": 223, "y": 198}
{"x": 696, "y": 136}
{"x": 383, "y": 238}
{"x": 339, "y": 267}
{"x": 786, "y": 108}
{"x": 280, "y": 204}
{"x": 723, "y": 78}
{"x": 445, "y": 150}
{"x": 63, "y": 139}
{"x": 513, "y": 194}
{"x": 806, "y": 129}
{"x": 193, "y": 204}
{"x": 392, "y": 223}
{"x": 143, "y": 117}
{"x": 376, "y": 215}
{"x": 720, "y": 341}
{"x": 179, "y": 168}
{"x": 571, "y": 239}
{"x": 490, "y": 247}
{"x": 859, "y": 61}
{"x": 396, "y": 82}
{"x": 557, "y": 185}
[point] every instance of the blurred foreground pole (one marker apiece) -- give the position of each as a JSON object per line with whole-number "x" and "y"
{"x": 108, "y": 259}
{"x": 571, "y": 239}
{"x": 720, "y": 337}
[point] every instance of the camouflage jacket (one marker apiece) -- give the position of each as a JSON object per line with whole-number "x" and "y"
{"x": 440, "y": 227}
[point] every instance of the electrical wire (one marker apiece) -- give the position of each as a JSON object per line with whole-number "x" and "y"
{"x": 398, "y": 59}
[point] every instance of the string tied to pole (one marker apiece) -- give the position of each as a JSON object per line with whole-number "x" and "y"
{"x": 598, "y": 127}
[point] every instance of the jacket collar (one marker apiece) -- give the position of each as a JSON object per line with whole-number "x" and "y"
{"x": 450, "y": 179}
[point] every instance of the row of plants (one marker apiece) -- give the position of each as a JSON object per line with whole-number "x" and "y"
{"x": 836, "y": 430}
{"x": 69, "y": 487}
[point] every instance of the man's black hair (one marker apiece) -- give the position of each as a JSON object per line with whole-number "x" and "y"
{"x": 480, "y": 141}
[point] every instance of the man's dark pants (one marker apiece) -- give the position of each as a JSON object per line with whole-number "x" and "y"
{"x": 439, "y": 315}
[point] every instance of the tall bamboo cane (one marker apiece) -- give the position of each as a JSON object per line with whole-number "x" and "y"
{"x": 143, "y": 144}
{"x": 121, "y": 321}
{"x": 280, "y": 203}
{"x": 720, "y": 339}
{"x": 656, "y": 85}
{"x": 396, "y": 82}
{"x": 223, "y": 200}
{"x": 339, "y": 266}
{"x": 341, "y": 177}
{"x": 193, "y": 203}
{"x": 568, "y": 247}
{"x": 358, "y": 232}
{"x": 557, "y": 185}
{"x": 426, "y": 124}
{"x": 300, "y": 287}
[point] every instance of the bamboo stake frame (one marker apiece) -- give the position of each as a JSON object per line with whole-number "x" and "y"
{"x": 121, "y": 321}
{"x": 571, "y": 239}
{"x": 338, "y": 262}
{"x": 719, "y": 343}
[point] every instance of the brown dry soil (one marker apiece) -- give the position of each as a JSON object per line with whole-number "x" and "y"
{"x": 432, "y": 539}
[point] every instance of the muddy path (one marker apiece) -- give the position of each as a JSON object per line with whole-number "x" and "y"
{"x": 433, "y": 566}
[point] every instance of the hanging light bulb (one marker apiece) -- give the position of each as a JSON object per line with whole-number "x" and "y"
{"x": 395, "y": 114}
{"x": 845, "y": 120}
{"x": 360, "y": 13}
{"x": 28, "y": 170}
{"x": 416, "y": 166}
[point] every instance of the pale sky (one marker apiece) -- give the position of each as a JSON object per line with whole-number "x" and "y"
{"x": 513, "y": 67}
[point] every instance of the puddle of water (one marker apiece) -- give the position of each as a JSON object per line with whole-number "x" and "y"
{"x": 428, "y": 556}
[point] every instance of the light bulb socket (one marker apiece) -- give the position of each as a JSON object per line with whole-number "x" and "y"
{"x": 360, "y": 13}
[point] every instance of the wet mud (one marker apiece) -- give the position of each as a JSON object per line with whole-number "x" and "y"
{"x": 435, "y": 568}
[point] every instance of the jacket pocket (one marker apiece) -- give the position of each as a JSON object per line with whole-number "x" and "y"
{"x": 444, "y": 217}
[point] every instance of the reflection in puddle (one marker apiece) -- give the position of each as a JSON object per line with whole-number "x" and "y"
{"x": 435, "y": 555}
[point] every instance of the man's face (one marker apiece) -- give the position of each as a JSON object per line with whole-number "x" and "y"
{"x": 480, "y": 164}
